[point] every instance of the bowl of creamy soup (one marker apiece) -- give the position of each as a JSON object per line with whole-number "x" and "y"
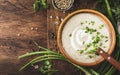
{"x": 81, "y": 33}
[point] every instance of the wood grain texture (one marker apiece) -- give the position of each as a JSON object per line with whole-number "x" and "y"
{"x": 19, "y": 25}
{"x": 64, "y": 67}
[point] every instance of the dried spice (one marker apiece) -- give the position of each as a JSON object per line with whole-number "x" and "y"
{"x": 62, "y": 4}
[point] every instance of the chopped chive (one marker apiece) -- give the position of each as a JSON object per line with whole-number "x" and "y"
{"x": 101, "y": 44}
{"x": 95, "y": 48}
{"x": 86, "y": 31}
{"x": 88, "y": 45}
{"x": 104, "y": 46}
{"x": 89, "y": 23}
{"x": 102, "y": 25}
{"x": 94, "y": 30}
{"x": 98, "y": 33}
{"x": 93, "y": 37}
{"x": 87, "y": 28}
{"x": 102, "y": 36}
{"x": 86, "y": 48}
{"x": 97, "y": 39}
{"x": 81, "y": 23}
{"x": 90, "y": 32}
{"x": 81, "y": 51}
{"x": 92, "y": 22}
{"x": 106, "y": 36}
{"x": 90, "y": 56}
{"x": 91, "y": 51}
{"x": 83, "y": 42}
{"x": 70, "y": 35}
{"x": 86, "y": 21}
{"x": 106, "y": 40}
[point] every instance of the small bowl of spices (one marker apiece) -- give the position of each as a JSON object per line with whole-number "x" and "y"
{"x": 62, "y": 5}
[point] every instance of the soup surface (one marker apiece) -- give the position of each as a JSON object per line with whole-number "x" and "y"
{"x": 82, "y": 35}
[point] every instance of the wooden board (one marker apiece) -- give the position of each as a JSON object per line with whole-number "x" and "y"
{"x": 20, "y": 25}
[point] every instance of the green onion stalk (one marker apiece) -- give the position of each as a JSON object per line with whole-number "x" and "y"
{"x": 112, "y": 70}
{"x": 106, "y": 68}
{"x": 47, "y": 54}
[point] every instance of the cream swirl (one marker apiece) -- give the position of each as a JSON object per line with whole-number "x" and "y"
{"x": 79, "y": 37}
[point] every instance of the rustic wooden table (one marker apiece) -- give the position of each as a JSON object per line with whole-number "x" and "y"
{"x": 19, "y": 25}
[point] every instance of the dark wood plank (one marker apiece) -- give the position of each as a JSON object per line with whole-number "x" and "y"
{"x": 19, "y": 25}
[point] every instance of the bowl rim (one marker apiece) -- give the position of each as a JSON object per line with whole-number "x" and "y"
{"x": 111, "y": 29}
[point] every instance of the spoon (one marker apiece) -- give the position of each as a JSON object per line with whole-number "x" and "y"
{"x": 110, "y": 59}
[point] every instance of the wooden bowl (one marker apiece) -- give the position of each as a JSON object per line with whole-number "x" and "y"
{"x": 61, "y": 27}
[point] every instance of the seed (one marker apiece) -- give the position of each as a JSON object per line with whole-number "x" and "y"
{"x": 36, "y": 28}
{"x": 63, "y": 11}
{"x": 62, "y": 19}
{"x": 62, "y": 4}
{"x": 56, "y": 23}
{"x": 18, "y": 34}
{"x": 57, "y": 17}
{"x": 51, "y": 17}
{"x": 31, "y": 28}
{"x": 36, "y": 66}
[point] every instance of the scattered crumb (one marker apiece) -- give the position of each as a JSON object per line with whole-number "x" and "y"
{"x": 57, "y": 17}
{"x": 51, "y": 17}
{"x": 63, "y": 11}
{"x": 62, "y": 19}
{"x": 18, "y": 34}
{"x": 36, "y": 28}
{"x": 56, "y": 23}
{"x": 32, "y": 28}
{"x": 36, "y": 66}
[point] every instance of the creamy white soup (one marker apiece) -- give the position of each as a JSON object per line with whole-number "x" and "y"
{"x": 83, "y": 34}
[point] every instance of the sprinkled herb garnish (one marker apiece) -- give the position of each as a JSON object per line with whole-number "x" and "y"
{"x": 90, "y": 30}
{"x": 91, "y": 48}
{"x": 106, "y": 40}
{"x": 101, "y": 26}
{"x": 100, "y": 43}
{"x": 93, "y": 37}
{"x": 102, "y": 36}
{"x": 88, "y": 45}
{"x": 92, "y": 22}
{"x": 104, "y": 46}
{"x": 70, "y": 35}
{"x": 81, "y": 51}
{"x": 81, "y": 23}
{"x": 86, "y": 21}
{"x": 83, "y": 42}
{"x": 89, "y": 23}
{"x": 106, "y": 37}
{"x": 97, "y": 39}
{"x": 98, "y": 33}
{"x": 90, "y": 56}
